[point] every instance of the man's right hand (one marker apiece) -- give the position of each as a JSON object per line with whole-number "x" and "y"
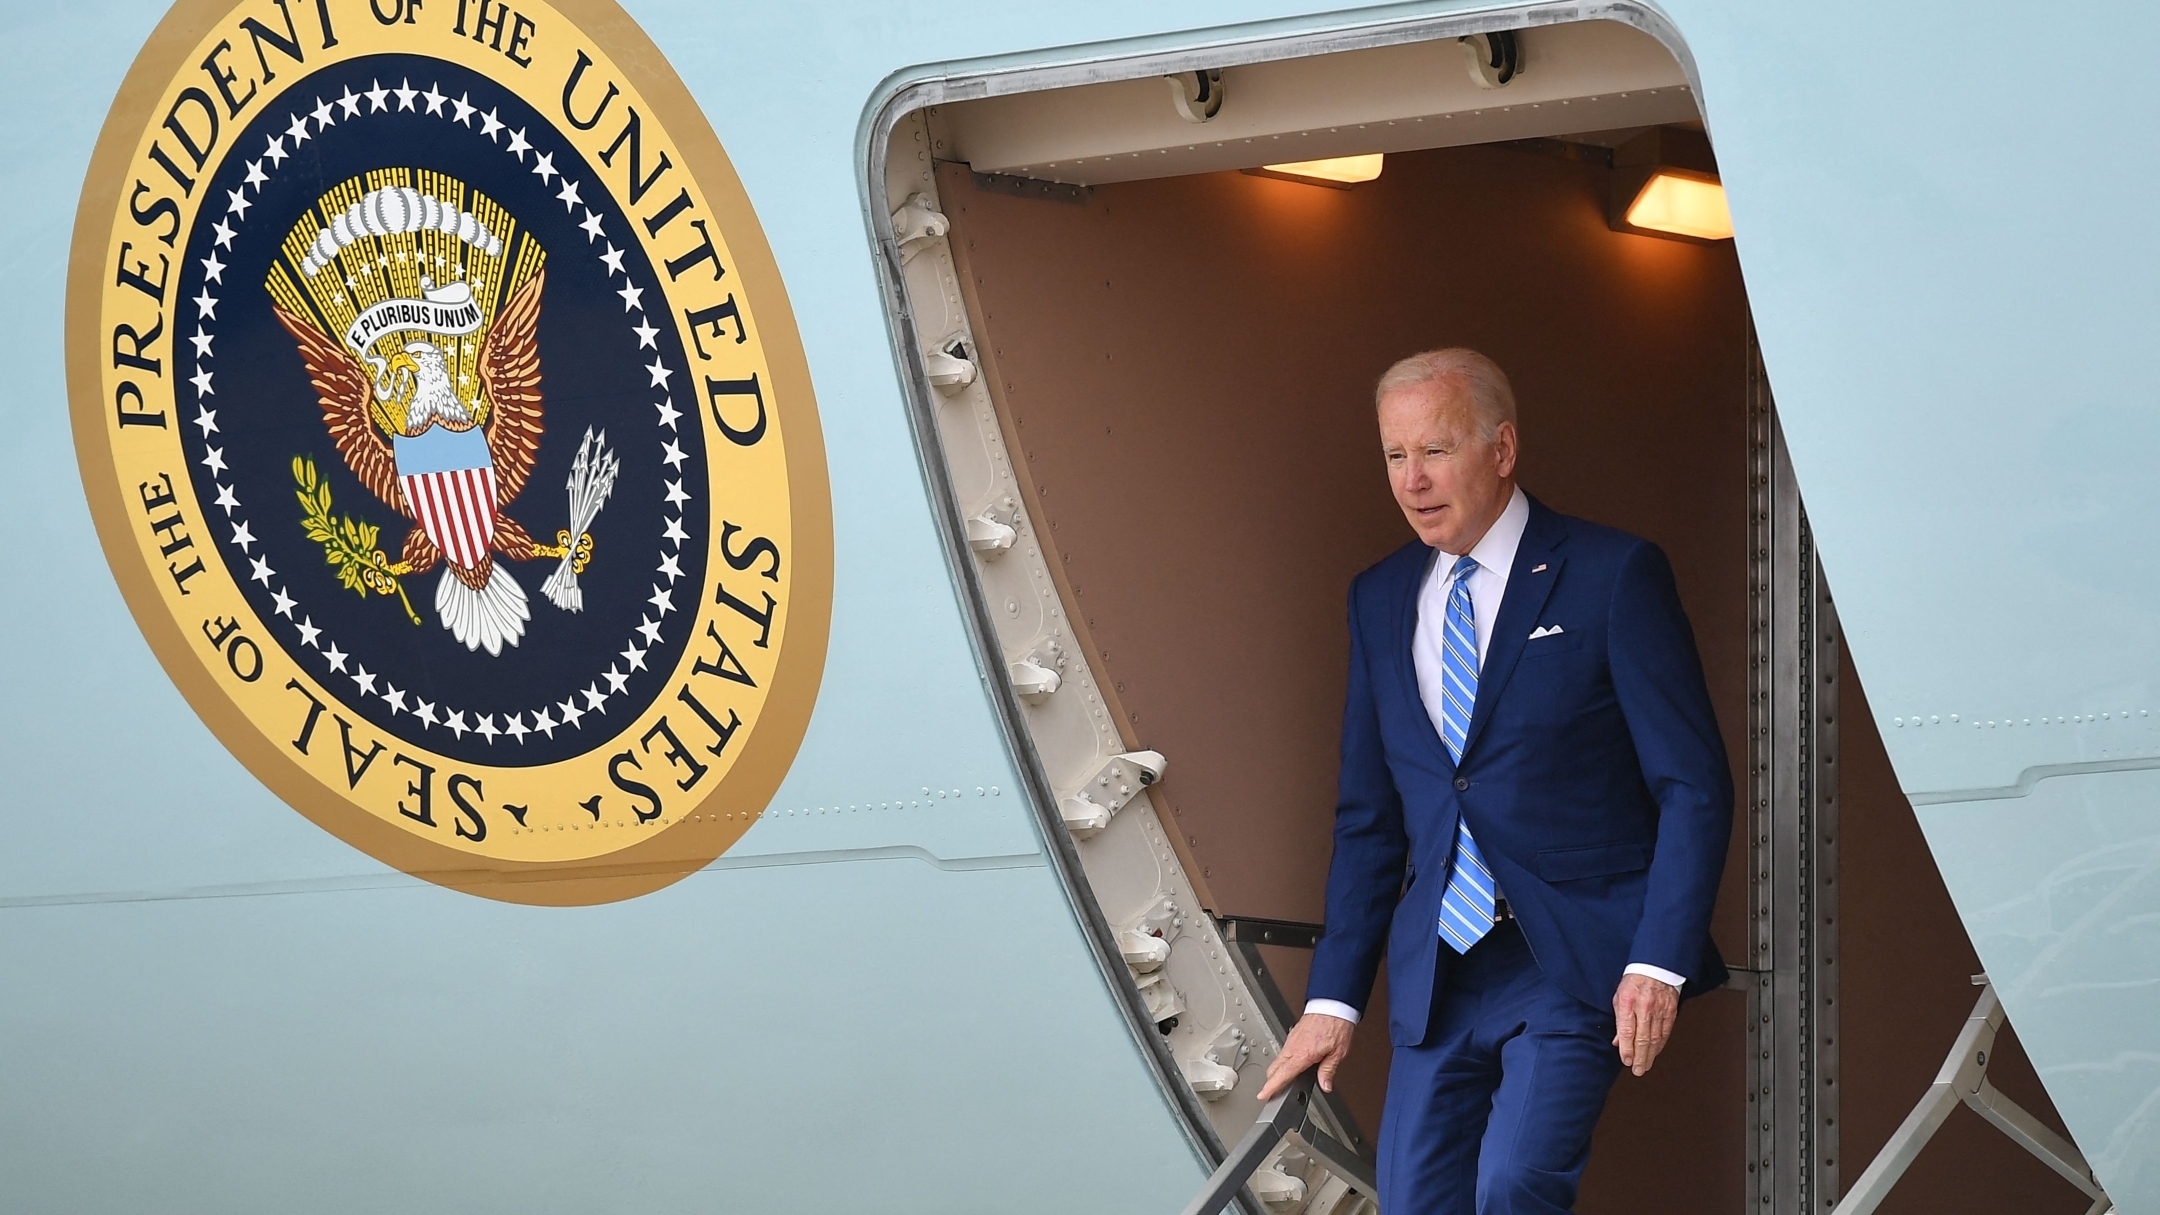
{"x": 1316, "y": 1038}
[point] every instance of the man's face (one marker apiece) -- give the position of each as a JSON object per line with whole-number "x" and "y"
{"x": 1450, "y": 483}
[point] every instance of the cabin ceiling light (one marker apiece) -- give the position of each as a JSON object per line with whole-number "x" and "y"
{"x": 1340, "y": 172}
{"x": 1681, "y": 203}
{"x": 1665, "y": 183}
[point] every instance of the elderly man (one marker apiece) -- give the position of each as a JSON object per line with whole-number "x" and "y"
{"x": 1533, "y": 815}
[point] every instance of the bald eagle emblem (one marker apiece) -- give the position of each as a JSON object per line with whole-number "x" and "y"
{"x": 431, "y": 394}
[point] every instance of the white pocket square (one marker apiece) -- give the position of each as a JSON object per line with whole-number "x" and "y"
{"x": 1550, "y": 630}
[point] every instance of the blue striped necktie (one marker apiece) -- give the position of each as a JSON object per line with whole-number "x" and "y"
{"x": 1467, "y": 906}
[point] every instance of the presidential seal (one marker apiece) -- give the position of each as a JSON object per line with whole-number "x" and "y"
{"x": 446, "y": 428}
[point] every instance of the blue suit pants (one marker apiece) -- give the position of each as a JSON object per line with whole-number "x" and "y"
{"x": 1492, "y": 1114}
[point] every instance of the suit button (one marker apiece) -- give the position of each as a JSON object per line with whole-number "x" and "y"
{"x": 1461, "y": 783}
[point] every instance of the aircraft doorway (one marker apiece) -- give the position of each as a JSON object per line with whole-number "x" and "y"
{"x": 1204, "y": 347}
{"x": 1145, "y": 390}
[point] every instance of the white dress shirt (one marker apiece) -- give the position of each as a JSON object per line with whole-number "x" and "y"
{"x": 1495, "y": 557}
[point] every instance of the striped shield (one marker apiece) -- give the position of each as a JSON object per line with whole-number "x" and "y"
{"x": 449, "y": 478}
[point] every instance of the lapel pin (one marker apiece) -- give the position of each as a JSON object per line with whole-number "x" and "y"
{"x": 1539, "y": 570}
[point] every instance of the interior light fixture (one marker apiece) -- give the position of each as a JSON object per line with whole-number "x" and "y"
{"x": 1682, "y": 203}
{"x": 1339, "y": 172}
{"x": 1664, "y": 183}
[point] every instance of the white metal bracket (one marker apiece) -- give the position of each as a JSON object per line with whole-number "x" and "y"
{"x": 948, "y": 367}
{"x": 1280, "y": 1186}
{"x": 1040, "y": 673}
{"x": 1198, "y": 96}
{"x": 1143, "y": 951}
{"x": 1087, "y": 810}
{"x": 1145, "y": 942}
{"x": 1164, "y": 1002}
{"x": 1215, "y": 1072}
{"x": 1032, "y": 680}
{"x": 917, "y": 224}
{"x": 989, "y": 536}
{"x": 1210, "y": 1079}
{"x": 1496, "y": 59}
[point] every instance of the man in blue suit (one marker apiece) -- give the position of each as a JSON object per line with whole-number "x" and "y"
{"x": 1532, "y": 821}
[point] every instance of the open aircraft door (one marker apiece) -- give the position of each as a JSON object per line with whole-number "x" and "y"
{"x": 1141, "y": 382}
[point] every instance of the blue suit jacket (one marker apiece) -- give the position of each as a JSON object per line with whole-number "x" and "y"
{"x": 1593, "y": 778}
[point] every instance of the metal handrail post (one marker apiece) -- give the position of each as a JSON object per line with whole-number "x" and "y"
{"x": 2053, "y": 1150}
{"x": 1963, "y": 1078}
{"x": 1280, "y": 1116}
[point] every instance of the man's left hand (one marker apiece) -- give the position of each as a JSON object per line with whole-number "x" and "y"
{"x": 1643, "y": 1010}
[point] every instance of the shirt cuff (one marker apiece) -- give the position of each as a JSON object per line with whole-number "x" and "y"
{"x": 1659, "y": 973}
{"x": 1332, "y": 1008}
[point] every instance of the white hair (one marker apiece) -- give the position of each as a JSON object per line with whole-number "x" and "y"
{"x": 1492, "y": 399}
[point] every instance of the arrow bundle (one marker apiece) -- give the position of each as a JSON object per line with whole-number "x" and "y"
{"x": 592, "y": 478}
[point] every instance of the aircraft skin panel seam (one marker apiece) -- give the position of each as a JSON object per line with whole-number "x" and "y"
{"x": 360, "y": 882}
{"x": 2031, "y": 777}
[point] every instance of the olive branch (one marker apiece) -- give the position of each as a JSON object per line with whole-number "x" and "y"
{"x": 348, "y": 544}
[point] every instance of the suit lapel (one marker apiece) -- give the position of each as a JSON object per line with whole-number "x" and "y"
{"x": 1519, "y": 609}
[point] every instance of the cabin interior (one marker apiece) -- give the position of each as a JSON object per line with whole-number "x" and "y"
{"x": 1182, "y": 355}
